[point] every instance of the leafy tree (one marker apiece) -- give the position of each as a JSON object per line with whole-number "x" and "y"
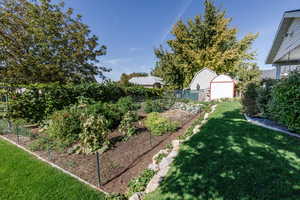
{"x": 206, "y": 41}
{"x": 42, "y": 42}
{"x": 246, "y": 73}
{"x": 124, "y": 80}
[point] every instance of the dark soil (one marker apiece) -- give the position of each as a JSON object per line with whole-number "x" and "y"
{"x": 124, "y": 161}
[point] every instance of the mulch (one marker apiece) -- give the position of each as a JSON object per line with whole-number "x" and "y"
{"x": 121, "y": 163}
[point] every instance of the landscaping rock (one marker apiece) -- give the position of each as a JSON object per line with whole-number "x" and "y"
{"x": 196, "y": 129}
{"x": 137, "y": 196}
{"x": 153, "y": 184}
{"x": 163, "y": 151}
{"x": 175, "y": 144}
{"x": 153, "y": 167}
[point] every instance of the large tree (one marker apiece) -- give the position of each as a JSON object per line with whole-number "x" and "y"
{"x": 206, "y": 41}
{"x": 43, "y": 42}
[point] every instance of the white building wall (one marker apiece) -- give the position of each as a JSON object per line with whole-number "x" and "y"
{"x": 291, "y": 41}
{"x": 203, "y": 78}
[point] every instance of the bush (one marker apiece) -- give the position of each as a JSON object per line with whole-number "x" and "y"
{"x": 65, "y": 125}
{"x": 139, "y": 184}
{"x": 264, "y": 96}
{"x": 94, "y": 133}
{"x": 284, "y": 105}
{"x": 126, "y": 104}
{"x": 249, "y": 99}
{"x": 127, "y": 127}
{"x": 159, "y": 125}
{"x": 153, "y": 106}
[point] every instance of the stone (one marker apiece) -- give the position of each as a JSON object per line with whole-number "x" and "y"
{"x": 153, "y": 167}
{"x": 163, "y": 151}
{"x": 153, "y": 184}
{"x": 175, "y": 144}
{"x": 137, "y": 196}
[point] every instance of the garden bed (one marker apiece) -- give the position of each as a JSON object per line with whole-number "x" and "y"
{"x": 123, "y": 161}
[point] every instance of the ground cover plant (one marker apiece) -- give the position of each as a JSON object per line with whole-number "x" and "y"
{"x": 26, "y": 178}
{"x": 159, "y": 125}
{"x": 233, "y": 159}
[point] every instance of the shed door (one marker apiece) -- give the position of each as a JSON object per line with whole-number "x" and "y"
{"x": 222, "y": 90}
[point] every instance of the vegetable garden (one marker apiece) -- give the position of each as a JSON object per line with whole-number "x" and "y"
{"x": 68, "y": 124}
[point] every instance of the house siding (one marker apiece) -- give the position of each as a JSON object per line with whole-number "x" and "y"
{"x": 290, "y": 41}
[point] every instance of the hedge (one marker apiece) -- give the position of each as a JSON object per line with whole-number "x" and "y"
{"x": 39, "y": 101}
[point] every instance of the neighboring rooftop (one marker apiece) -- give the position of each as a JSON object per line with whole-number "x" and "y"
{"x": 268, "y": 73}
{"x": 147, "y": 80}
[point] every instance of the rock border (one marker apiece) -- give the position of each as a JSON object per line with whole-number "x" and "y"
{"x": 255, "y": 122}
{"x": 163, "y": 167}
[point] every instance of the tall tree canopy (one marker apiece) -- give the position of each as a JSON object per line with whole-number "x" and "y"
{"x": 206, "y": 41}
{"x": 124, "y": 79}
{"x": 42, "y": 42}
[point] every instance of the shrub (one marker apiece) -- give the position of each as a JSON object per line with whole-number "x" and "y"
{"x": 39, "y": 144}
{"x": 139, "y": 184}
{"x": 94, "y": 133}
{"x": 153, "y": 106}
{"x": 159, "y": 125}
{"x": 127, "y": 127}
{"x": 126, "y": 104}
{"x": 264, "y": 95}
{"x": 65, "y": 125}
{"x": 249, "y": 99}
{"x": 110, "y": 111}
{"x": 160, "y": 157}
{"x": 284, "y": 105}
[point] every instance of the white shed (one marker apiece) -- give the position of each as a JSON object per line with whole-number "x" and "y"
{"x": 222, "y": 86}
{"x": 202, "y": 79}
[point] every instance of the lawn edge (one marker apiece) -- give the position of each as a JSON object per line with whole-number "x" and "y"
{"x": 53, "y": 165}
{"x": 250, "y": 120}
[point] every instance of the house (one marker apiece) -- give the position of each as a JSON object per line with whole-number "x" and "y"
{"x": 147, "y": 81}
{"x": 285, "y": 51}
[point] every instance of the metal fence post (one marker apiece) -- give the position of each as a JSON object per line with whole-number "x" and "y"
{"x": 98, "y": 168}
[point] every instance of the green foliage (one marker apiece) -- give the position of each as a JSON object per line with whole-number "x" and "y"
{"x": 65, "y": 125}
{"x": 94, "y": 133}
{"x": 139, "y": 184}
{"x": 160, "y": 156}
{"x": 127, "y": 127}
{"x": 126, "y": 104}
{"x": 284, "y": 105}
{"x": 264, "y": 96}
{"x": 249, "y": 99}
{"x": 40, "y": 101}
{"x": 158, "y": 105}
{"x": 48, "y": 45}
{"x": 159, "y": 125}
{"x": 207, "y": 41}
{"x": 39, "y": 144}
{"x": 246, "y": 73}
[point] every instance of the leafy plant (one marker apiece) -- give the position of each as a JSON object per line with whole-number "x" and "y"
{"x": 159, "y": 125}
{"x": 139, "y": 184}
{"x": 126, "y": 104}
{"x": 284, "y": 105}
{"x": 160, "y": 156}
{"x": 41, "y": 143}
{"x": 65, "y": 125}
{"x": 116, "y": 197}
{"x": 127, "y": 127}
{"x": 94, "y": 133}
{"x": 249, "y": 99}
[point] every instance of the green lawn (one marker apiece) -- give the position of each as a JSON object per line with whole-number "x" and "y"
{"x": 233, "y": 159}
{"x": 24, "y": 177}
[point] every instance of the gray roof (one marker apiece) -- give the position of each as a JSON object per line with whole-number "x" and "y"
{"x": 147, "y": 80}
{"x": 268, "y": 74}
{"x": 285, "y": 23}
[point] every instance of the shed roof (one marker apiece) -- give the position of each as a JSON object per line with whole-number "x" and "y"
{"x": 285, "y": 23}
{"x": 222, "y": 78}
{"x": 146, "y": 80}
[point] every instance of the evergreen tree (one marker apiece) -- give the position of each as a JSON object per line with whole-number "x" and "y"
{"x": 41, "y": 42}
{"x": 206, "y": 41}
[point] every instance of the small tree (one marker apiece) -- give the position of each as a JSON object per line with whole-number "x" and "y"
{"x": 41, "y": 43}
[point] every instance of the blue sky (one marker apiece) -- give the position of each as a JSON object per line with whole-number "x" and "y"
{"x": 131, "y": 29}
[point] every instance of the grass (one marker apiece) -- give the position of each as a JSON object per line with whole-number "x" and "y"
{"x": 231, "y": 159}
{"x": 23, "y": 177}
